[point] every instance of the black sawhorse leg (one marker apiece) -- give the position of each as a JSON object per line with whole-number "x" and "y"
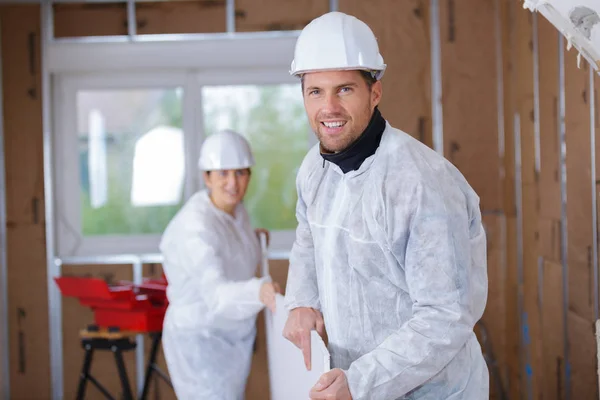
{"x": 152, "y": 367}
{"x": 117, "y": 346}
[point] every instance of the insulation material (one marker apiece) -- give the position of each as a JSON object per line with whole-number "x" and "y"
{"x": 102, "y": 19}
{"x": 23, "y": 142}
{"x": 469, "y": 87}
{"x": 582, "y": 346}
{"x": 402, "y": 31}
{"x": 76, "y": 317}
{"x": 274, "y": 15}
{"x": 28, "y": 313}
{"x": 577, "y": 20}
{"x": 549, "y": 181}
{"x": 552, "y": 323}
{"x": 579, "y": 188}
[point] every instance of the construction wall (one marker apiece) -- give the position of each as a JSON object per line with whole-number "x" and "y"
{"x": 502, "y": 121}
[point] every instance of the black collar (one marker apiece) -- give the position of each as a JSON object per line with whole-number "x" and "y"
{"x": 352, "y": 158}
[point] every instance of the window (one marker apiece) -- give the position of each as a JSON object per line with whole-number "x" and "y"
{"x": 272, "y": 118}
{"x": 131, "y": 160}
{"x": 127, "y": 148}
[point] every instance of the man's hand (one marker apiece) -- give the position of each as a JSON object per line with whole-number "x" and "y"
{"x": 297, "y": 329}
{"x": 332, "y": 385}
{"x": 267, "y": 294}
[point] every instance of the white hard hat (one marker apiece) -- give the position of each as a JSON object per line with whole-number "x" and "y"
{"x": 337, "y": 41}
{"x": 225, "y": 150}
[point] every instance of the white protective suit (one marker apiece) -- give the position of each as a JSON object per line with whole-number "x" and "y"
{"x": 394, "y": 255}
{"x": 210, "y": 260}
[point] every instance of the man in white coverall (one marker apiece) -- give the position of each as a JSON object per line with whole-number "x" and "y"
{"x": 390, "y": 251}
{"x": 211, "y": 255}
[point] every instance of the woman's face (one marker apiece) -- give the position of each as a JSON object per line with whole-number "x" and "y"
{"x": 227, "y": 187}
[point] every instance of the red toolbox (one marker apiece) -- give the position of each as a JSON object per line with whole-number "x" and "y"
{"x": 123, "y": 305}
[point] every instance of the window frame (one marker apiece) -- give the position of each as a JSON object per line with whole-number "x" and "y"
{"x": 70, "y": 241}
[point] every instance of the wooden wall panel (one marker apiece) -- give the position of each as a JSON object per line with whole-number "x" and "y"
{"x": 549, "y": 223}
{"x": 28, "y": 313}
{"x": 272, "y": 15}
{"x": 23, "y": 142}
{"x": 549, "y": 179}
{"x": 402, "y": 30}
{"x": 469, "y": 91}
{"x": 494, "y": 318}
{"x": 553, "y": 333}
{"x": 579, "y": 186}
{"x": 26, "y": 255}
{"x": 579, "y": 227}
{"x": 205, "y": 16}
{"x": 102, "y": 19}
{"x": 507, "y": 10}
{"x": 531, "y": 318}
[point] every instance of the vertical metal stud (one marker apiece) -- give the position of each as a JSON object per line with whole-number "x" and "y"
{"x": 519, "y": 209}
{"x": 230, "y": 15}
{"x": 536, "y": 95}
{"x": 138, "y": 276}
{"x": 436, "y": 78}
{"x": 53, "y": 268}
{"x": 334, "y": 5}
{"x": 131, "y": 20}
{"x": 500, "y": 85}
{"x": 594, "y": 193}
{"x": 48, "y": 19}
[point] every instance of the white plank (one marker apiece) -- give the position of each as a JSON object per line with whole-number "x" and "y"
{"x": 289, "y": 379}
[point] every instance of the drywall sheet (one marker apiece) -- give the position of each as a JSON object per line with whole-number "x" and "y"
{"x": 288, "y": 376}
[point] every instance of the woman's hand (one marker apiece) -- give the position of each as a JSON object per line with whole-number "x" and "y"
{"x": 258, "y": 232}
{"x": 267, "y": 294}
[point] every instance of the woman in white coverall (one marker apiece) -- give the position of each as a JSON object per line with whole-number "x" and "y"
{"x": 390, "y": 250}
{"x": 211, "y": 256}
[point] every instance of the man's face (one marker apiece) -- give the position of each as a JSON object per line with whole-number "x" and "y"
{"x": 339, "y": 105}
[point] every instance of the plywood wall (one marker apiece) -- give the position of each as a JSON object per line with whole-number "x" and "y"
{"x": 27, "y": 293}
{"x": 540, "y": 310}
{"x": 402, "y": 31}
{"x": 554, "y": 290}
